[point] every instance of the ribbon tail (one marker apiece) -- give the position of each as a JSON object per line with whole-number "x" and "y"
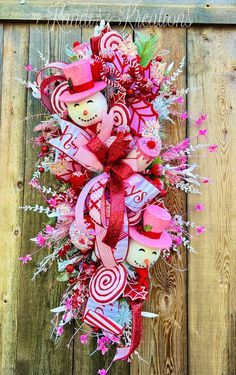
{"x": 117, "y": 209}
{"x": 125, "y": 352}
{"x": 79, "y": 208}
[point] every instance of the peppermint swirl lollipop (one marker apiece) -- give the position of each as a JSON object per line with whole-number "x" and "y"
{"x": 110, "y": 40}
{"x": 58, "y": 106}
{"x": 121, "y": 114}
{"x": 108, "y": 284}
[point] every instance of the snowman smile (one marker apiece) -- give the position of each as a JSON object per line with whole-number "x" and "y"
{"x": 86, "y": 120}
{"x": 142, "y": 266}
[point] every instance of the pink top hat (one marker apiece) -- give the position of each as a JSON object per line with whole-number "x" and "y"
{"x": 80, "y": 80}
{"x": 153, "y": 234}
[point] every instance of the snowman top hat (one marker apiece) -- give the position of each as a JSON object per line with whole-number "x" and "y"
{"x": 81, "y": 83}
{"x": 152, "y": 233}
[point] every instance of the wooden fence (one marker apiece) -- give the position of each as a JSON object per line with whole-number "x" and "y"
{"x": 195, "y": 333}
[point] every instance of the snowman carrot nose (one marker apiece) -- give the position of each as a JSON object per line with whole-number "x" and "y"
{"x": 146, "y": 262}
{"x": 85, "y": 112}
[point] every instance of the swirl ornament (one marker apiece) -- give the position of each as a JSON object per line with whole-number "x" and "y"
{"x": 110, "y": 40}
{"x": 108, "y": 284}
{"x": 121, "y": 114}
{"x": 58, "y": 106}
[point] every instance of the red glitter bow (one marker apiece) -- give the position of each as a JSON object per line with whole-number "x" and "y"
{"x": 111, "y": 159}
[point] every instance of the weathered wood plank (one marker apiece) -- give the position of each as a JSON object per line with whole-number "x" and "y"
{"x": 1, "y": 61}
{"x": 36, "y": 354}
{"x": 163, "y": 13}
{"x": 13, "y": 108}
{"x": 212, "y": 277}
{"x": 164, "y": 344}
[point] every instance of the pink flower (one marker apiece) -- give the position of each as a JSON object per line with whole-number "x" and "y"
{"x": 102, "y": 346}
{"x": 180, "y": 100}
{"x": 199, "y": 207}
{"x": 52, "y": 202}
{"x": 40, "y": 240}
{"x": 68, "y": 304}
{"x": 29, "y": 67}
{"x": 83, "y": 339}
{"x": 49, "y": 229}
{"x": 203, "y": 117}
{"x": 34, "y": 182}
{"x": 200, "y": 230}
{"x": 178, "y": 240}
{"x": 202, "y": 132}
{"x": 212, "y": 148}
{"x": 25, "y": 259}
{"x": 183, "y": 115}
{"x": 114, "y": 339}
{"x": 200, "y": 120}
{"x": 102, "y": 372}
{"x": 205, "y": 181}
{"x": 59, "y": 330}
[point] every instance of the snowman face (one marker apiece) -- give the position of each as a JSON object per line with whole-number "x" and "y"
{"x": 141, "y": 256}
{"x": 88, "y": 111}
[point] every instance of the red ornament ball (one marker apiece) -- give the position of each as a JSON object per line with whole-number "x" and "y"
{"x": 130, "y": 92}
{"x": 45, "y": 149}
{"x": 158, "y": 183}
{"x": 163, "y": 193}
{"x": 72, "y": 280}
{"x": 70, "y": 268}
{"x": 157, "y": 170}
{"x": 41, "y": 169}
{"x": 151, "y": 144}
{"x": 76, "y": 44}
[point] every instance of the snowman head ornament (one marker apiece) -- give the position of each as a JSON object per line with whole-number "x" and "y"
{"x": 148, "y": 240}
{"x": 84, "y": 100}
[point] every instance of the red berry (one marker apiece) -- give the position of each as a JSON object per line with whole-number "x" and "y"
{"x": 61, "y": 253}
{"x": 76, "y": 44}
{"x": 159, "y": 58}
{"x": 45, "y": 149}
{"x": 70, "y": 268}
{"x": 158, "y": 183}
{"x": 74, "y": 304}
{"x": 163, "y": 193}
{"x": 130, "y": 92}
{"x": 66, "y": 247}
{"x": 144, "y": 80}
{"x": 157, "y": 170}
{"x": 71, "y": 280}
{"x": 41, "y": 169}
{"x": 151, "y": 144}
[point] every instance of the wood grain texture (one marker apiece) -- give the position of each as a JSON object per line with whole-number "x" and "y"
{"x": 169, "y": 11}
{"x": 164, "y": 338}
{"x": 36, "y": 354}
{"x": 212, "y": 277}
{"x": 13, "y": 107}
